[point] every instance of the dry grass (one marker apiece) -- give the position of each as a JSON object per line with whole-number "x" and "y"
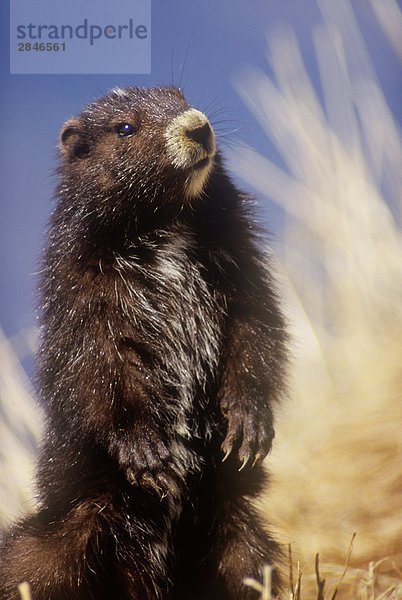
{"x": 20, "y": 431}
{"x": 25, "y": 591}
{"x": 337, "y": 460}
{"x": 330, "y": 581}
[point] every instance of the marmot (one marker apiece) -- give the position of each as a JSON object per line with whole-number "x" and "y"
{"x": 163, "y": 352}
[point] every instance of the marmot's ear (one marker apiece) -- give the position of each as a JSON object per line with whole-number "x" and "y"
{"x": 72, "y": 142}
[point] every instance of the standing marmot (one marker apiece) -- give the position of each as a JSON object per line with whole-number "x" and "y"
{"x": 162, "y": 354}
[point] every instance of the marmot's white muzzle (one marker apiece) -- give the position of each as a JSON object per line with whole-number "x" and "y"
{"x": 190, "y": 144}
{"x": 190, "y": 140}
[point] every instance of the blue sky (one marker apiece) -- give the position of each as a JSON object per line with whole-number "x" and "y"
{"x": 214, "y": 39}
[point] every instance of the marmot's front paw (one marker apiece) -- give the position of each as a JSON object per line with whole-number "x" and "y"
{"x": 248, "y": 433}
{"x": 159, "y": 482}
{"x": 146, "y": 462}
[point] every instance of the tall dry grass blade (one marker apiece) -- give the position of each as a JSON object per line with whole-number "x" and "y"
{"x": 253, "y": 584}
{"x": 25, "y": 591}
{"x": 264, "y": 589}
{"x": 339, "y": 16}
{"x": 267, "y": 583}
{"x": 291, "y": 584}
{"x": 298, "y": 587}
{"x": 347, "y": 563}
{"x": 320, "y": 582}
{"x": 389, "y": 16}
{"x": 371, "y": 581}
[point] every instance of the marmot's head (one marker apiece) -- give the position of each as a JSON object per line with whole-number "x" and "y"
{"x": 146, "y": 147}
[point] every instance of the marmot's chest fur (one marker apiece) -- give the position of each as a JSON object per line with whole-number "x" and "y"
{"x": 162, "y": 356}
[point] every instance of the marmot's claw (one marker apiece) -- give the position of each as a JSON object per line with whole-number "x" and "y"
{"x": 160, "y": 483}
{"x": 151, "y": 482}
{"x": 168, "y": 484}
{"x": 249, "y": 434}
{"x": 227, "y": 452}
{"x": 259, "y": 457}
{"x": 244, "y": 461}
{"x": 131, "y": 478}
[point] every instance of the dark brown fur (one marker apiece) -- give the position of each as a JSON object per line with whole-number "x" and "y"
{"x": 163, "y": 349}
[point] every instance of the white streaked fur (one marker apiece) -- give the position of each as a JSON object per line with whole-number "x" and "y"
{"x": 178, "y": 282}
{"x": 120, "y": 92}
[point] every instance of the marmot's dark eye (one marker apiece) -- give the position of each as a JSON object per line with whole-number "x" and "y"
{"x": 125, "y": 129}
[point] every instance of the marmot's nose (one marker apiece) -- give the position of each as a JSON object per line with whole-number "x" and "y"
{"x": 202, "y": 135}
